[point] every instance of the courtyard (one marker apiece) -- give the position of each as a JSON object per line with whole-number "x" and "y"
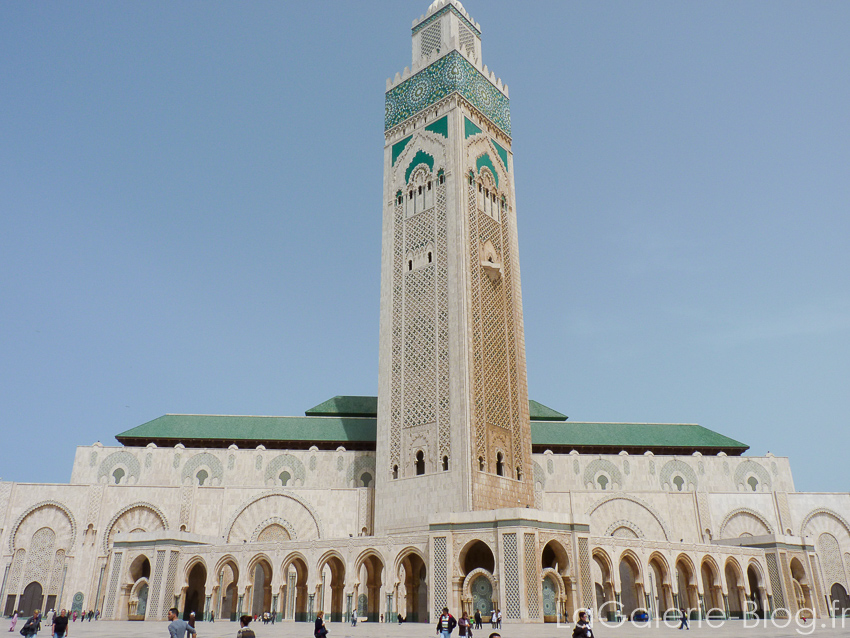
{"x": 126, "y": 629}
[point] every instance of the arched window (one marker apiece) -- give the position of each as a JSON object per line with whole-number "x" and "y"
{"x": 420, "y": 463}
{"x": 481, "y": 463}
{"x": 500, "y": 464}
{"x": 365, "y": 479}
{"x": 395, "y": 471}
{"x": 285, "y": 478}
{"x": 429, "y": 257}
{"x": 753, "y": 482}
{"x": 202, "y": 476}
{"x": 445, "y": 464}
{"x": 603, "y": 482}
{"x": 410, "y": 264}
{"x": 118, "y": 474}
{"x": 679, "y": 482}
{"x": 518, "y": 473}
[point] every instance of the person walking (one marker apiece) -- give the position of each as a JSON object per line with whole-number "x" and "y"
{"x": 498, "y": 619}
{"x": 478, "y": 619}
{"x": 244, "y": 630}
{"x": 177, "y": 628}
{"x": 192, "y": 620}
{"x": 582, "y": 628}
{"x": 464, "y": 627}
{"x": 30, "y": 627}
{"x": 684, "y": 624}
{"x": 14, "y": 622}
{"x": 446, "y": 623}
{"x": 60, "y": 624}
{"x": 320, "y": 630}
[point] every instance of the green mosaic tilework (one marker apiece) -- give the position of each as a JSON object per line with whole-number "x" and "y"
{"x": 484, "y": 160}
{"x": 421, "y": 157}
{"x": 398, "y": 147}
{"x": 470, "y": 128}
{"x": 451, "y": 73}
{"x": 502, "y": 153}
{"x": 436, "y": 16}
{"x": 441, "y": 126}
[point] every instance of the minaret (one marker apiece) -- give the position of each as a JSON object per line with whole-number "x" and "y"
{"x": 453, "y": 427}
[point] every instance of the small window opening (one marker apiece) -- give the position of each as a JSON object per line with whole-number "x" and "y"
{"x": 118, "y": 474}
{"x": 480, "y": 188}
{"x": 500, "y": 464}
{"x": 518, "y": 474}
{"x": 679, "y": 482}
{"x": 470, "y": 179}
{"x": 603, "y": 482}
{"x": 481, "y": 463}
{"x": 420, "y": 190}
{"x": 284, "y": 478}
{"x": 420, "y": 463}
{"x": 442, "y": 179}
{"x": 486, "y": 192}
{"x": 410, "y": 264}
{"x": 490, "y": 258}
{"x": 445, "y": 464}
{"x": 410, "y": 195}
{"x": 202, "y": 476}
{"x": 365, "y": 479}
{"x": 429, "y": 185}
{"x": 753, "y": 482}
{"x": 395, "y": 471}
{"x": 429, "y": 257}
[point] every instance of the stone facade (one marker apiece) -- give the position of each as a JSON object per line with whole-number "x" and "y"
{"x": 449, "y": 506}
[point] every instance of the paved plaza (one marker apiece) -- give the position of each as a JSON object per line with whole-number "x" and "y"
{"x": 126, "y": 629}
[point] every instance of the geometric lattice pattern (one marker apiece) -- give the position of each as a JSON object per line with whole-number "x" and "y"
{"x": 532, "y": 581}
{"x": 424, "y": 24}
{"x": 168, "y": 590}
{"x": 512, "y": 607}
{"x": 154, "y": 591}
{"x": 117, "y": 558}
{"x": 420, "y": 378}
{"x": 586, "y": 586}
{"x": 420, "y": 326}
{"x": 495, "y": 382}
{"x": 440, "y": 575}
{"x": 467, "y": 40}
{"x": 56, "y": 576}
{"x": 40, "y": 556}
{"x": 431, "y": 39}
{"x": 830, "y": 554}
{"x": 451, "y": 73}
{"x": 17, "y": 569}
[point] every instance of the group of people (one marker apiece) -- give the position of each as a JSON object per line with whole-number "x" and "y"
{"x": 58, "y": 623}
{"x": 447, "y": 623}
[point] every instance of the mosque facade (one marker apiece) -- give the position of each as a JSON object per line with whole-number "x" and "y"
{"x": 451, "y": 488}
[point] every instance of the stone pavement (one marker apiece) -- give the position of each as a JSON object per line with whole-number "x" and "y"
{"x": 123, "y": 629}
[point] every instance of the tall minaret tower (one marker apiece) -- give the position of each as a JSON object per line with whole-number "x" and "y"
{"x": 453, "y": 427}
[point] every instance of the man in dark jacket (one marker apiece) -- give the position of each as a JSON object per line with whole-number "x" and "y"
{"x": 446, "y": 623}
{"x": 582, "y": 628}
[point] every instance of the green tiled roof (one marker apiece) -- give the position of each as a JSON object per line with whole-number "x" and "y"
{"x": 368, "y": 407}
{"x": 346, "y": 406}
{"x": 272, "y": 431}
{"x": 539, "y": 412}
{"x": 634, "y": 436}
{"x": 328, "y": 432}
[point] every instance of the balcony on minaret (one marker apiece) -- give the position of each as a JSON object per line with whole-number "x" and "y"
{"x": 491, "y": 262}
{"x": 446, "y": 26}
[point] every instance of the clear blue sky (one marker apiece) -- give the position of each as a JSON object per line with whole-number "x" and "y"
{"x": 190, "y": 211}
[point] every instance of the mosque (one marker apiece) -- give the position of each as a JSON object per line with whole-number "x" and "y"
{"x": 451, "y": 487}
